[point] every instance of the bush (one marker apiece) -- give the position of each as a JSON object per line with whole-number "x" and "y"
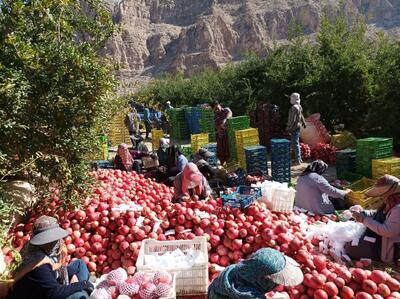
{"x": 55, "y": 90}
{"x": 346, "y": 75}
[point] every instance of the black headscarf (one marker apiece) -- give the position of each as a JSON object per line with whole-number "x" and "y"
{"x": 317, "y": 166}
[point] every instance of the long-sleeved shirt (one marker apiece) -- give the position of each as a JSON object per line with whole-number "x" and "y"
{"x": 182, "y": 161}
{"x": 178, "y": 194}
{"x": 295, "y": 118}
{"x": 135, "y": 155}
{"x": 313, "y": 192}
{"x": 41, "y": 283}
{"x": 132, "y": 122}
{"x": 146, "y": 115}
{"x": 389, "y": 230}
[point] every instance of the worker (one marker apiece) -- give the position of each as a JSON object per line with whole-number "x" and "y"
{"x": 176, "y": 160}
{"x": 190, "y": 184}
{"x": 168, "y": 105}
{"x": 132, "y": 124}
{"x": 200, "y": 158}
{"x": 128, "y": 160}
{"x": 252, "y": 278}
{"x": 162, "y": 152}
{"x": 383, "y": 226}
{"x": 221, "y": 115}
{"x": 295, "y": 121}
{"x": 315, "y": 194}
{"x": 146, "y": 119}
{"x": 42, "y": 274}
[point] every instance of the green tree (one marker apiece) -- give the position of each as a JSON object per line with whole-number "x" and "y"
{"x": 55, "y": 89}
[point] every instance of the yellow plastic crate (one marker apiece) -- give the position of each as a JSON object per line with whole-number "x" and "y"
{"x": 247, "y": 137}
{"x": 343, "y": 140}
{"x": 198, "y": 140}
{"x": 384, "y": 166}
{"x": 118, "y": 133}
{"x": 156, "y": 135}
{"x": 357, "y": 196}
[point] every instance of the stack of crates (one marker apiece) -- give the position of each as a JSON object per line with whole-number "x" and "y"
{"x": 156, "y": 135}
{"x": 198, "y": 140}
{"x": 245, "y": 138}
{"x": 369, "y": 149}
{"x": 280, "y": 160}
{"x": 235, "y": 124}
{"x": 384, "y": 166}
{"x": 178, "y": 123}
{"x": 118, "y": 133}
{"x": 345, "y": 163}
{"x": 212, "y": 147}
{"x": 256, "y": 158}
{"x": 193, "y": 115}
{"x": 207, "y": 123}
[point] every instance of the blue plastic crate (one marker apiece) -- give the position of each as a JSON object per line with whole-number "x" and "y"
{"x": 242, "y": 197}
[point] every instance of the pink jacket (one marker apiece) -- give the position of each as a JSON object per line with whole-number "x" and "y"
{"x": 389, "y": 230}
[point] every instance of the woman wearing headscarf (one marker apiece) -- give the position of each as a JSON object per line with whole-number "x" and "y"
{"x": 190, "y": 184}
{"x": 381, "y": 241}
{"x": 176, "y": 161}
{"x": 42, "y": 273}
{"x": 127, "y": 160}
{"x": 295, "y": 121}
{"x": 315, "y": 194}
{"x": 254, "y": 277}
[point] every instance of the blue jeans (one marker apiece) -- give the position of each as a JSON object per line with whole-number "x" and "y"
{"x": 79, "y": 269}
{"x": 296, "y": 145}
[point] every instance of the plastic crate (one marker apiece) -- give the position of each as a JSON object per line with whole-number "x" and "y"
{"x": 198, "y": 140}
{"x": 189, "y": 282}
{"x": 343, "y": 140}
{"x": 386, "y": 166}
{"x": 242, "y": 197}
{"x": 357, "y": 196}
{"x": 282, "y": 200}
{"x": 156, "y": 135}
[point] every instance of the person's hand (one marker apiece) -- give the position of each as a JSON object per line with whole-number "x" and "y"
{"x": 359, "y": 217}
{"x": 74, "y": 279}
{"x": 88, "y": 287}
{"x": 348, "y": 191}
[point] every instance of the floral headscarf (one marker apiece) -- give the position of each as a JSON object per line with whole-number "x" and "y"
{"x": 192, "y": 178}
{"x": 125, "y": 155}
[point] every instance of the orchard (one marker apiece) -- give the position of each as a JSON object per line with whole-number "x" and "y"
{"x": 106, "y": 236}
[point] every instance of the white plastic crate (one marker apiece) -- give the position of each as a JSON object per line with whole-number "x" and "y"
{"x": 189, "y": 282}
{"x": 282, "y": 200}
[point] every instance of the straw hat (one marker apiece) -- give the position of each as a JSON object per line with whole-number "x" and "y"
{"x": 386, "y": 185}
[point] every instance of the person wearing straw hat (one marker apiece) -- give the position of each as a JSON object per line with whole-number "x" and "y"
{"x": 42, "y": 273}
{"x": 252, "y": 278}
{"x": 383, "y": 226}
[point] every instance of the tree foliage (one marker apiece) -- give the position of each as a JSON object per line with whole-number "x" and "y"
{"x": 348, "y": 76}
{"x": 55, "y": 90}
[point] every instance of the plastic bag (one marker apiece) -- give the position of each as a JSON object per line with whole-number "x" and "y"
{"x": 315, "y": 132}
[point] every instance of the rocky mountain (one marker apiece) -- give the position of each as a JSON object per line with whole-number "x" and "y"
{"x": 159, "y": 36}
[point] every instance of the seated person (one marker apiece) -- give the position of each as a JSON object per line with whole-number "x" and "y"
{"x": 383, "y": 226}
{"x": 128, "y": 160}
{"x": 190, "y": 184}
{"x": 41, "y": 274}
{"x": 252, "y": 278}
{"x": 200, "y": 158}
{"x": 176, "y": 161}
{"x": 313, "y": 191}
{"x": 162, "y": 152}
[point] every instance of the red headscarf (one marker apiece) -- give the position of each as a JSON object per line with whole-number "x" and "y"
{"x": 192, "y": 179}
{"x": 125, "y": 155}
